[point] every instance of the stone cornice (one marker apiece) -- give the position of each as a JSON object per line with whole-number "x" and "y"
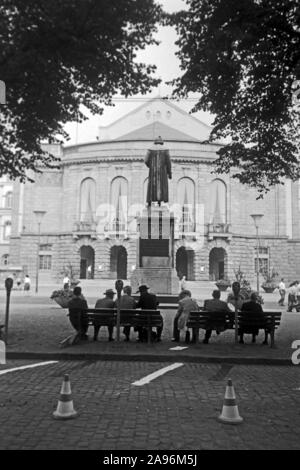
{"x": 120, "y": 158}
{"x": 236, "y": 236}
{"x": 44, "y": 234}
{"x": 261, "y": 236}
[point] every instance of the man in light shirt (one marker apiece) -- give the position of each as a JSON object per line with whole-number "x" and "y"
{"x": 281, "y": 292}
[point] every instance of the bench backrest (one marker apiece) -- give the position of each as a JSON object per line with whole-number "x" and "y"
{"x": 127, "y": 316}
{"x": 148, "y": 318}
{"x": 270, "y": 319}
{"x": 102, "y": 316}
{"x": 101, "y": 311}
{"x": 206, "y": 319}
{"x": 108, "y": 316}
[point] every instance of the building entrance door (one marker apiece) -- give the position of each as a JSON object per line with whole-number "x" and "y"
{"x": 182, "y": 262}
{"x": 87, "y": 262}
{"x": 185, "y": 263}
{"x": 221, "y": 270}
{"x": 118, "y": 262}
{"x": 83, "y": 268}
{"x": 217, "y": 258}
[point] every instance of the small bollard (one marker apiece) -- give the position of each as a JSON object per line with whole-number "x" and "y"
{"x": 8, "y": 286}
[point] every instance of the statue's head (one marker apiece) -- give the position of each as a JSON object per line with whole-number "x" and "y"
{"x": 159, "y": 140}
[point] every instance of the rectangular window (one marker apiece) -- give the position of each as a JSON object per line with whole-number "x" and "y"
{"x": 45, "y": 262}
{"x": 263, "y": 256}
{"x": 263, "y": 264}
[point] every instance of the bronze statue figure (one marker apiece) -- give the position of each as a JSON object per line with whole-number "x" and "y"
{"x": 159, "y": 163}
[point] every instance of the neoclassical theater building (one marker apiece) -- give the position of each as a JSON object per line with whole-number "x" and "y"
{"x": 92, "y": 202}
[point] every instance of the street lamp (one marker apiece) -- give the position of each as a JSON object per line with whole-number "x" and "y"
{"x": 39, "y": 215}
{"x": 256, "y": 219}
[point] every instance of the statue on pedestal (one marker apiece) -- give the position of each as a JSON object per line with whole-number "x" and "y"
{"x": 159, "y": 163}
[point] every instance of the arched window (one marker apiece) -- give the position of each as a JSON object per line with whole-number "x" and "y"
{"x": 218, "y": 202}
{"x": 119, "y": 203}
{"x": 87, "y": 200}
{"x": 7, "y": 230}
{"x": 8, "y": 200}
{"x": 186, "y": 200}
{"x": 5, "y": 259}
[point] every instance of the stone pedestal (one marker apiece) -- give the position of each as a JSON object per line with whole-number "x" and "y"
{"x": 155, "y": 252}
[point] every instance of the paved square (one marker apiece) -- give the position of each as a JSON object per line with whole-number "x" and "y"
{"x": 177, "y": 410}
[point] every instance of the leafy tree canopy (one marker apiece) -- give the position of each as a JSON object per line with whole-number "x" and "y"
{"x": 57, "y": 55}
{"x": 243, "y": 57}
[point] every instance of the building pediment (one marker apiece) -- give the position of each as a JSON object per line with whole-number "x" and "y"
{"x": 156, "y": 117}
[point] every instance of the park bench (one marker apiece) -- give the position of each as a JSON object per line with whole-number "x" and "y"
{"x": 205, "y": 320}
{"x": 270, "y": 323}
{"x": 98, "y": 317}
{"x": 147, "y": 319}
{"x": 215, "y": 321}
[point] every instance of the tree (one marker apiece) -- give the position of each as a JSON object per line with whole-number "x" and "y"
{"x": 243, "y": 57}
{"x": 57, "y": 56}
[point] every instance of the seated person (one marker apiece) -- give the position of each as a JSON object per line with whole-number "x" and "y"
{"x": 105, "y": 302}
{"x": 148, "y": 301}
{"x": 216, "y": 305}
{"x": 252, "y": 308}
{"x": 231, "y": 301}
{"x": 176, "y": 330}
{"x": 77, "y": 313}
{"x": 127, "y": 302}
{"x": 185, "y": 305}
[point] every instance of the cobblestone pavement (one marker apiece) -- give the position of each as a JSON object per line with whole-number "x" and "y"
{"x": 175, "y": 411}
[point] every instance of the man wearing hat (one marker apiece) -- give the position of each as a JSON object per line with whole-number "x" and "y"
{"x": 105, "y": 302}
{"x": 147, "y": 301}
{"x": 159, "y": 163}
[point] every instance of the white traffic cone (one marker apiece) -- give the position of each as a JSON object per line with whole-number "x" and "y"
{"x": 230, "y": 412}
{"x": 65, "y": 408}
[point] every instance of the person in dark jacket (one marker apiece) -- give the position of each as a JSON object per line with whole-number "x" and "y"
{"x": 105, "y": 302}
{"x": 147, "y": 301}
{"x": 127, "y": 302}
{"x": 250, "y": 309}
{"x": 216, "y": 305}
{"x": 77, "y": 313}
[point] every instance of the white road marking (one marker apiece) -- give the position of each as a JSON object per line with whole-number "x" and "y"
{"x": 178, "y": 348}
{"x": 30, "y": 366}
{"x": 158, "y": 373}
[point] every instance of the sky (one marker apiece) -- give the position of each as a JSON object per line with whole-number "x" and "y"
{"x": 168, "y": 68}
